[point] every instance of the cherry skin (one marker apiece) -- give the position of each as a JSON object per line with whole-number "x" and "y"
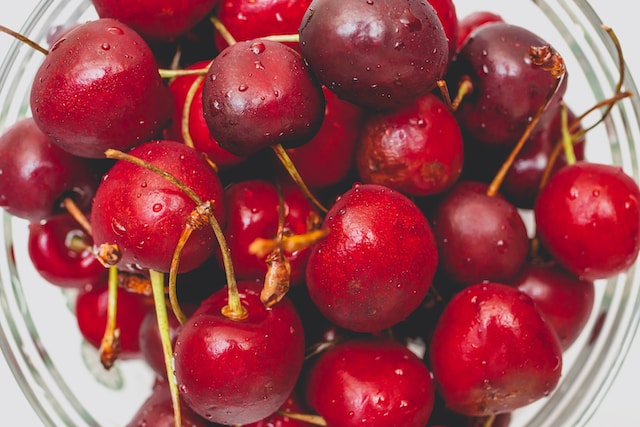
{"x": 37, "y": 175}
{"x": 370, "y": 381}
{"x": 197, "y": 129}
{"x": 377, "y": 261}
{"x": 479, "y": 237}
{"x": 99, "y": 88}
{"x": 131, "y": 310}
{"x": 251, "y": 365}
{"x": 416, "y": 149}
{"x": 144, "y": 214}
{"x": 492, "y": 351}
{"x": 253, "y": 212}
{"x": 447, "y": 13}
{"x": 376, "y": 54}
{"x": 588, "y": 219}
{"x": 251, "y": 19}
{"x": 329, "y": 157}
{"x": 508, "y": 87}
{"x": 157, "y": 411}
{"x": 279, "y": 419}
{"x": 157, "y": 20}
{"x": 565, "y": 300}
{"x": 259, "y": 93}
{"x": 61, "y": 252}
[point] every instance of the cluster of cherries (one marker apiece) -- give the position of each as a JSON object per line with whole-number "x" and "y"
{"x": 311, "y": 213}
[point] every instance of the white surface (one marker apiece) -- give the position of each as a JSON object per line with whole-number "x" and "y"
{"x": 619, "y": 407}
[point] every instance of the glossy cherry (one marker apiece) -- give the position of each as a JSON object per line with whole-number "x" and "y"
{"x": 588, "y": 218}
{"x": 37, "y": 175}
{"x": 370, "y": 381}
{"x": 239, "y": 371}
{"x": 144, "y": 214}
{"x": 377, "y": 261}
{"x": 99, "y": 88}
{"x": 61, "y": 251}
{"x": 492, "y": 351}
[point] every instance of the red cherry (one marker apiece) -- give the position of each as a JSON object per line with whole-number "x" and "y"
{"x": 157, "y": 19}
{"x": 99, "y": 88}
{"x": 588, "y": 218}
{"x": 144, "y": 214}
{"x": 61, "y": 252}
{"x": 131, "y": 310}
{"x": 492, "y": 351}
{"x": 370, "y": 381}
{"x": 468, "y": 23}
{"x": 239, "y": 371}
{"x": 565, "y": 300}
{"x": 376, "y": 263}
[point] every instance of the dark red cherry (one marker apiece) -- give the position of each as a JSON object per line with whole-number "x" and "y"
{"x": 565, "y": 300}
{"x": 61, "y": 251}
{"x": 377, "y": 261}
{"x": 509, "y": 87}
{"x": 588, "y": 218}
{"x": 197, "y": 130}
{"x": 329, "y": 157}
{"x": 91, "y": 310}
{"x": 253, "y": 213}
{"x": 37, "y": 175}
{"x": 157, "y": 410}
{"x": 479, "y": 237}
{"x": 239, "y": 371}
{"x": 492, "y": 351}
{"x": 259, "y": 93}
{"x": 370, "y": 381}
{"x": 376, "y": 54}
{"x": 251, "y": 19}
{"x": 416, "y": 149}
{"x": 447, "y": 13}
{"x": 157, "y": 19}
{"x": 468, "y": 23}
{"x": 144, "y": 214}
{"x": 99, "y": 88}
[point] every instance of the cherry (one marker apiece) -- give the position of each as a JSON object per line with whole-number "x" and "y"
{"x": 99, "y": 88}
{"x": 587, "y": 217}
{"x": 239, "y": 371}
{"x": 370, "y": 381}
{"x": 492, "y": 351}
{"x": 37, "y": 175}
{"x": 371, "y": 270}
{"x": 254, "y": 19}
{"x": 509, "y": 86}
{"x": 253, "y": 213}
{"x": 329, "y": 157}
{"x": 158, "y": 19}
{"x": 468, "y": 23}
{"x": 157, "y": 411}
{"x": 565, "y": 300}
{"x": 447, "y": 13}
{"x": 376, "y": 54}
{"x": 198, "y": 134}
{"x": 144, "y": 214}
{"x": 280, "y": 418}
{"x": 61, "y": 251}
{"x": 91, "y": 307}
{"x": 479, "y": 236}
{"x": 261, "y": 93}
{"x": 416, "y": 149}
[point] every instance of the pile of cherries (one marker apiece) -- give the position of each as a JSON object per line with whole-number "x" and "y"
{"x": 312, "y": 212}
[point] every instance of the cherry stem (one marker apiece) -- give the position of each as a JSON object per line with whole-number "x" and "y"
{"x": 465, "y": 87}
{"x": 283, "y": 38}
{"x": 157, "y": 284}
{"x": 71, "y": 207}
{"x": 488, "y": 422}
{"x": 173, "y": 274}
{"x": 316, "y": 420}
{"x": 24, "y": 39}
{"x": 444, "y": 91}
{"x": 286, "y": 161}
{"x": 169, "y": 73}
{"x": 226, "y": 35}
{"x": 234, "y": 308}
{"x": 567, "y": 141}
{"x": 110, "y": 344}
{"x": 495, "y": 184}
{"x": 186, "y": 111}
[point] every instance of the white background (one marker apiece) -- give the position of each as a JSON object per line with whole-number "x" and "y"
{"x": 620, "y": 407}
